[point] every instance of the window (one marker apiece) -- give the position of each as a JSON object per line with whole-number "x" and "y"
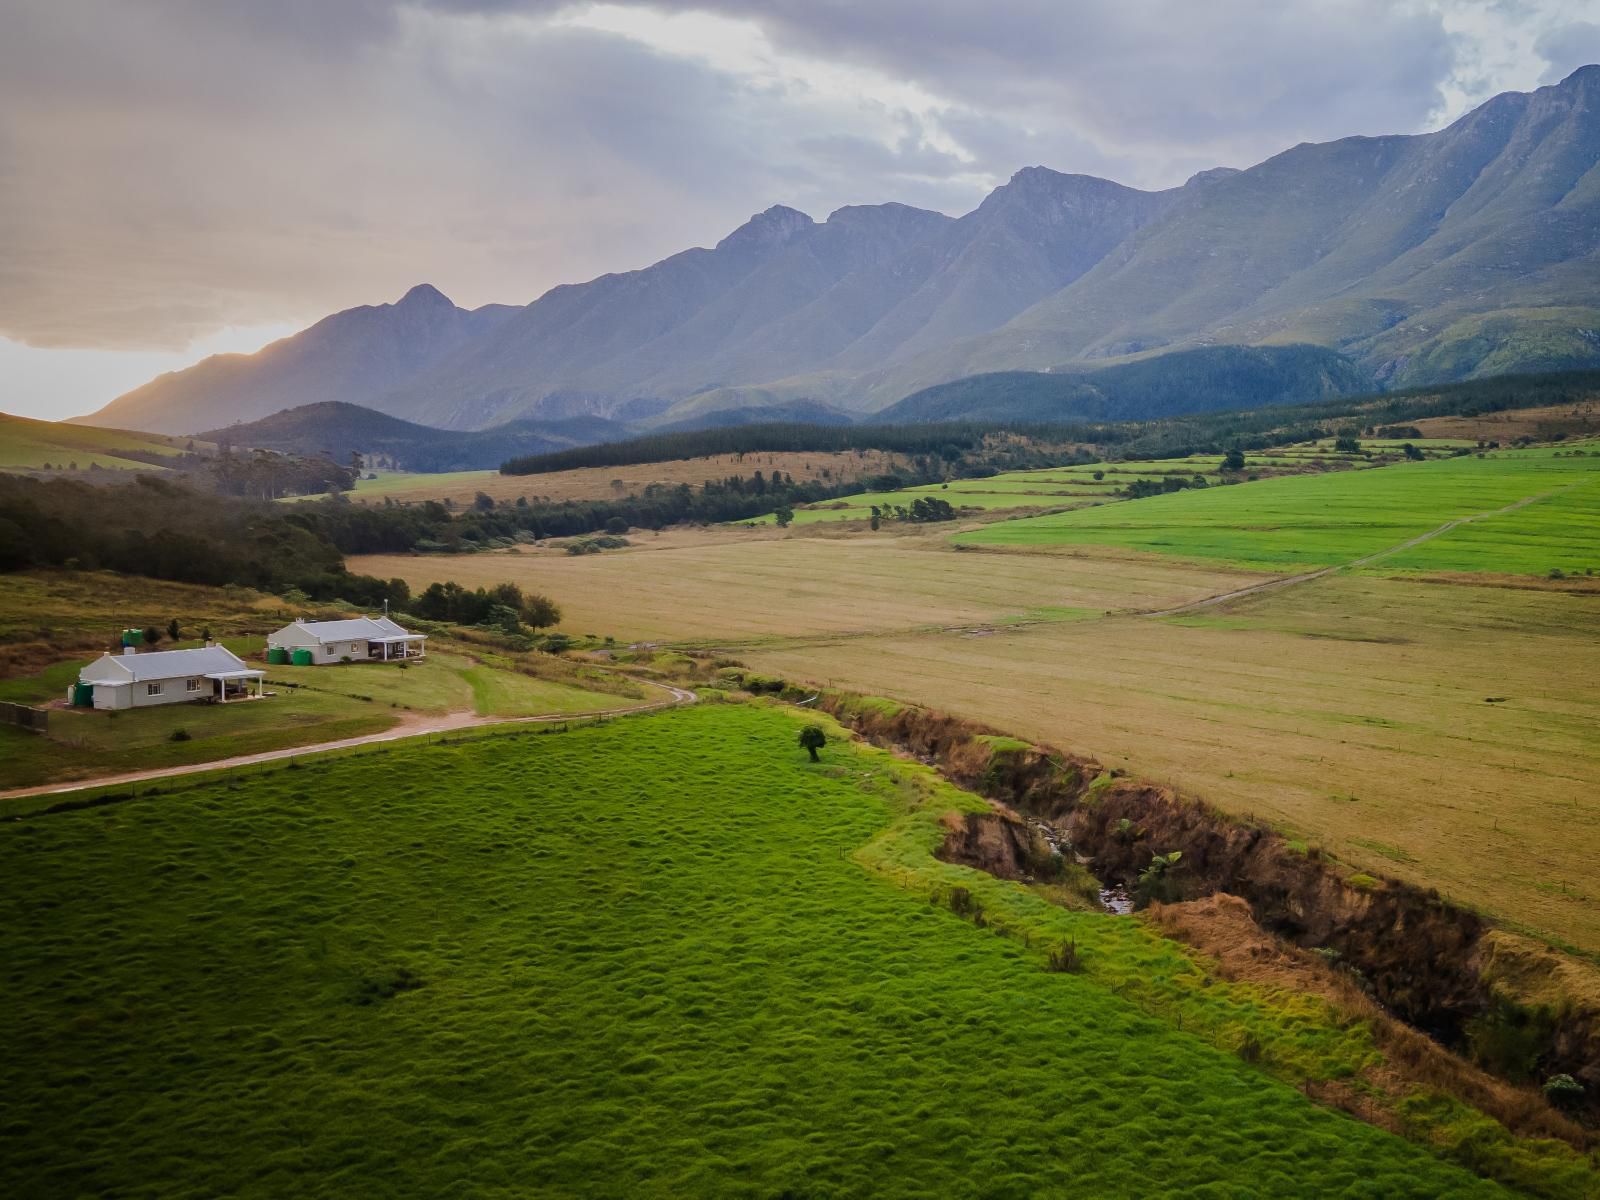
{"x": 152, "y": 689}
{"x": 192, "y": 685}
{"x": 355, "y": 647}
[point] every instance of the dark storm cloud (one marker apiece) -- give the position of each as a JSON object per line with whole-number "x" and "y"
{"x": 176, "y": 165}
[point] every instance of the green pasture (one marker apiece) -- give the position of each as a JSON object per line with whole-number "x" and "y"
{"x": 1306, "y": 521}
{"x": 390, "y": 482}
{"x": 665, "y": 956}
{"x": 1069, "y": 487}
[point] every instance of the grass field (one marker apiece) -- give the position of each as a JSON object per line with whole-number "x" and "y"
{"x": 1302, "y": 521}
{"x": 1085, "y": 484}
{"x": 602, "y": 483}
{"x": 743, "y": 587}
{"x": 26, "y": 444}
{"x": 664, "y": 956}
{"x": 1351, "y": 712}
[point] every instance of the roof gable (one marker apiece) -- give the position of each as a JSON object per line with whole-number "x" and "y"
{"x": 343, "y": 631}
{"x": 165, "y": 664}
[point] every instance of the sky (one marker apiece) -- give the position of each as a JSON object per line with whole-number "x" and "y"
{"x": 186, "y": 177}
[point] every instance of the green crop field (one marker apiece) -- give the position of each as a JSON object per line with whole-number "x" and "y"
{"x": 26, "y": 444}
{"x": 658, "y": 957}
{"x": 1084, "y": 484}
{"x": 1304, "y": 521}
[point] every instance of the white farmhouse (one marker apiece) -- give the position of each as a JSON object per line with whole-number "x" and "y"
{"x": 132, "y": 680}
{"x": 360, "y": 639}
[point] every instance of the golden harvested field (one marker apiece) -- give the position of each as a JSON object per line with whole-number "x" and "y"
{"x": 1354, "y": 711}
{"x": 601, "y": 483}
{"x": 735, "y": 588}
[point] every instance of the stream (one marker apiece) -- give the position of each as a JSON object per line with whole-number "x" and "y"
{"x": 1115, "y": 898}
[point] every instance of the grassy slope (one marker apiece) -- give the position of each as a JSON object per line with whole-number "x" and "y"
{"x": 1319, "y": 520}
{"x": 26, "y": 444}
{"x": 643, "y": 964}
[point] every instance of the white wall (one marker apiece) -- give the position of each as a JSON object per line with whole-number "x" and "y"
{"x": 173, "y": 691}
{"x": 334, "y": 652}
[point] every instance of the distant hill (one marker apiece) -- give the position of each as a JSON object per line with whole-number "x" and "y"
{"x": 1463, "y": 253}
{"x": 338, "y": 430}
{"x": 1210, "y": 379}
{"x": 29, "y": 445}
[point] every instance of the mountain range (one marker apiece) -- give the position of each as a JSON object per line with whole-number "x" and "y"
{"x": 1470, "y": 251}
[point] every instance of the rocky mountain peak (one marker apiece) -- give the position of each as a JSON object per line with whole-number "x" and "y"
{"x": 777, "y": 224}
{"x": 425, "y": 295}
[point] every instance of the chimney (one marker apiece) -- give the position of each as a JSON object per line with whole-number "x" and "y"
{"x": 129, "y": 651}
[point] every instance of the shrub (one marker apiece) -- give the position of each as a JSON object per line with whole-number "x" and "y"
{"x": 812, "y": 739}
{"x": 1508, "y": 1039}
{"x": 1065, "y": 958}
{"x": 1157, "y": 883}
{"x": 1363, "y": 881}
{"x": 1250, "y": 1049}
{"x": 178, "y": 735}
{"x": 1563, "y": 1091}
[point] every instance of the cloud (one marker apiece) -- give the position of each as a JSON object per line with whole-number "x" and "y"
{"x": 1567, "y": 47}
{"x": 171, "y": 168}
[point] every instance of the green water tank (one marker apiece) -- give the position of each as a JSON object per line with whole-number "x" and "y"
{"x": 83, "y": 695}
{"x": 302, "y": 658}
{"x": 133, "y": 637}
{"x": 277, "y": 656}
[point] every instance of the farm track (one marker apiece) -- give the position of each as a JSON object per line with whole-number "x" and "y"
{"x": 416, "y": 725}
{"x": 1288, "y": 581}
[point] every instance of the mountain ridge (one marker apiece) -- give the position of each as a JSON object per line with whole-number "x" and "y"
{"x": 1421, "y": 257}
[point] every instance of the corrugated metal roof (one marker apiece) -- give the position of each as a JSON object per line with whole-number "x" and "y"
{"x": 355, "y": 628}
{"x": 175, "y": 664}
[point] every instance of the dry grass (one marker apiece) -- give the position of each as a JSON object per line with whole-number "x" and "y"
{"x": 1506, "y": 427}
{"x": 600, "y": 483}
{"x": 737, "y": 587}
{"x": 1352, "y": 712}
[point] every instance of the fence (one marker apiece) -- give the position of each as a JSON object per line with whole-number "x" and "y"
{"x": 36, "y": 719}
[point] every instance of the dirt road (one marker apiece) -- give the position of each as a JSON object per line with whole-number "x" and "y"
{"x": 412, "y": 725}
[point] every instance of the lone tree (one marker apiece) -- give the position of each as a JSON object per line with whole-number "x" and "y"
{"x": 1233, "y": 460}
{"x": 174, "y": 630}
{"x": 152, "y": 635}
{"x": 813, "y": 739}
{"x": 783, "y": 516}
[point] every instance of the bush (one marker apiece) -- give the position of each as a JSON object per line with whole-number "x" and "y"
{"x": 1563, "y": 1091}
{"x": 178, "y": 735}
{"x": 1157, "y": 883}
{"x": 1065, "y": 958}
